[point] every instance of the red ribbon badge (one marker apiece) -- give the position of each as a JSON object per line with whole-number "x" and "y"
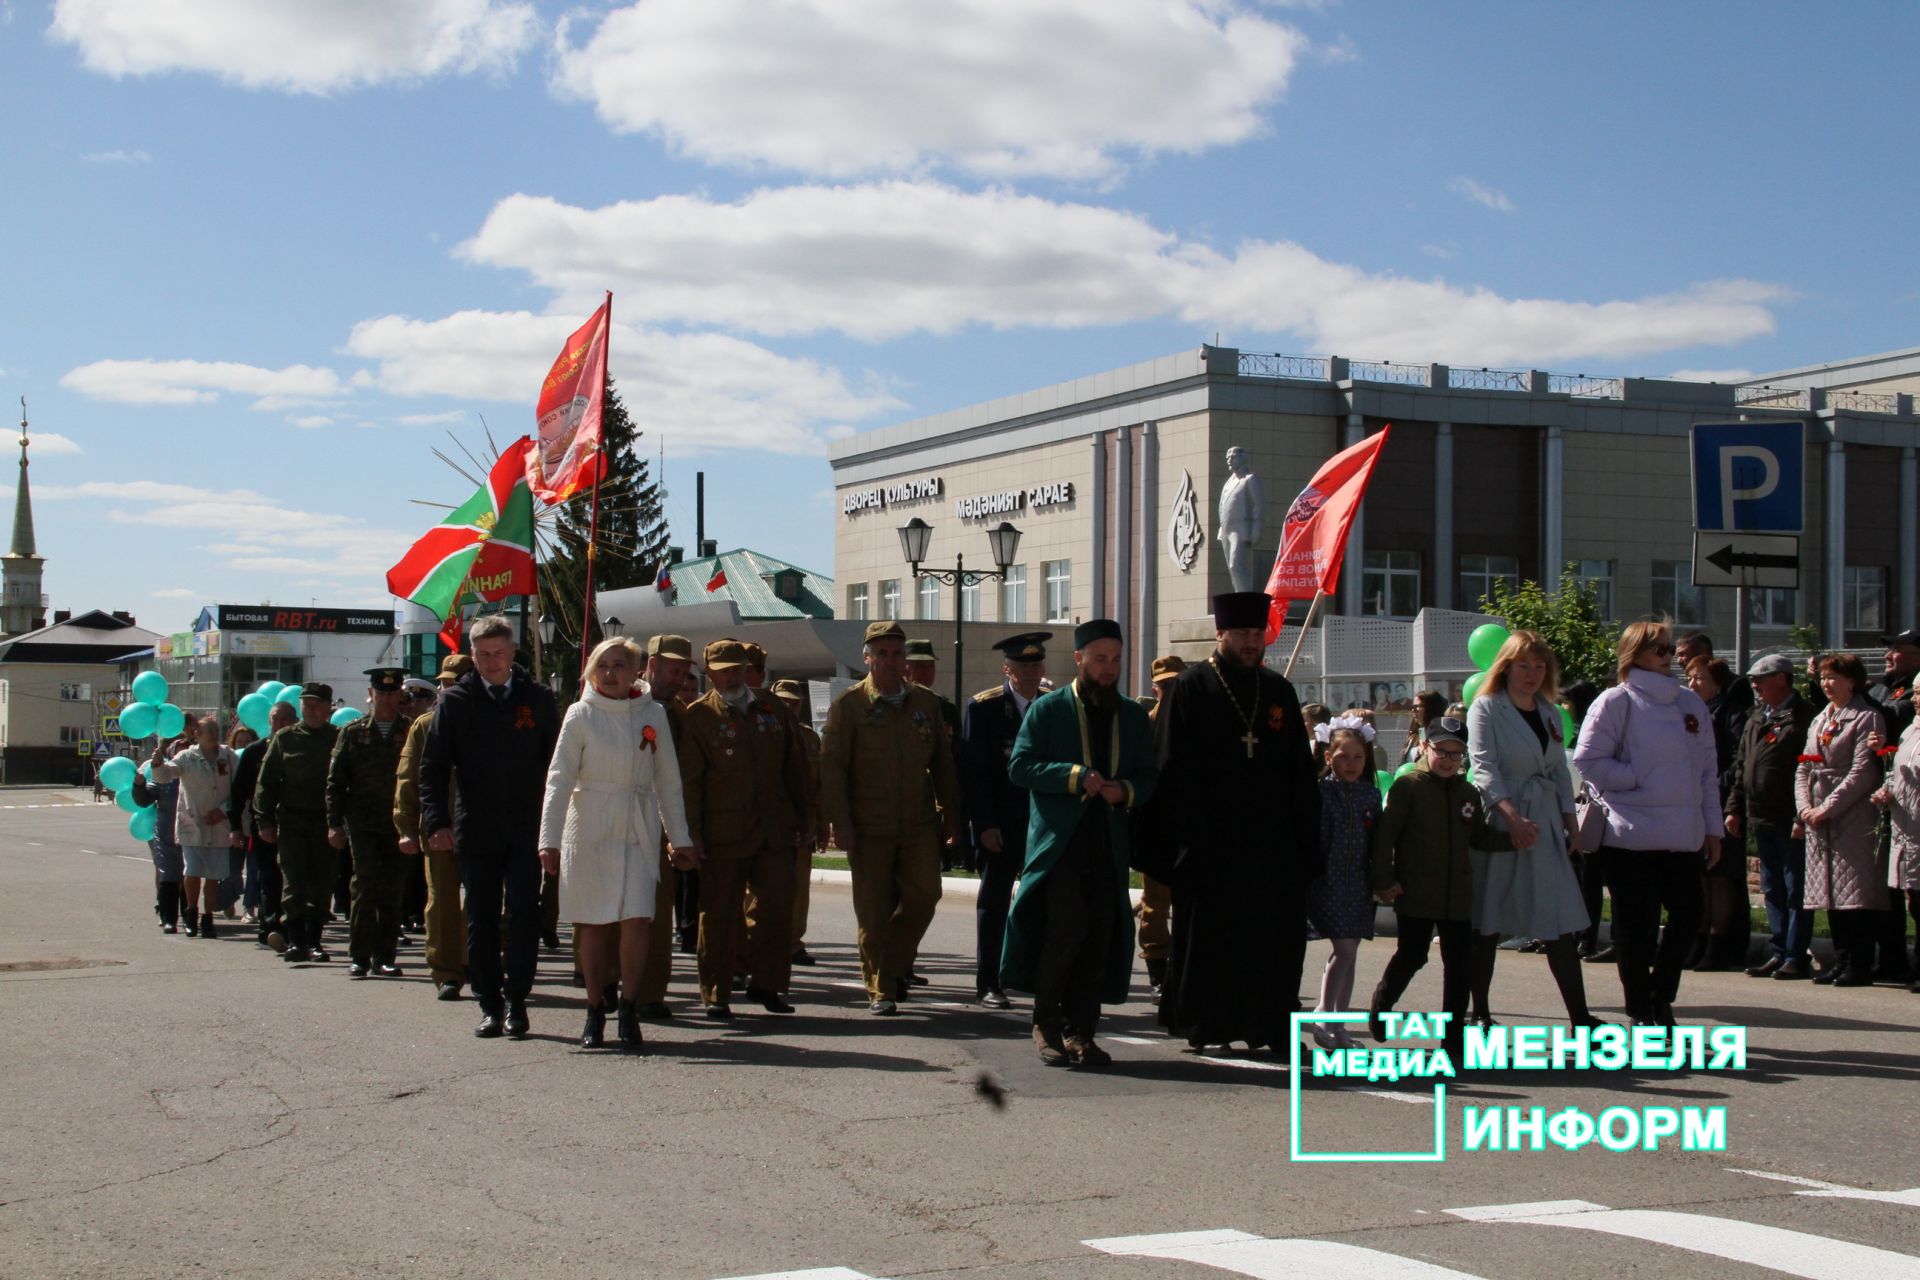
{"x": 1693, "y": 724}
{"x": 649, "y": 740}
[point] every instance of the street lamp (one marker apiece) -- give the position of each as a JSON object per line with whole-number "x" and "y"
{"x": 547, "y": 629}
{"x": 1004, "y": 541}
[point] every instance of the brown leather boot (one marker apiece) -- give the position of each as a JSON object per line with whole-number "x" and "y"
{"x": 1052, "y": 1051}
{"x": 1085, "y": 1053}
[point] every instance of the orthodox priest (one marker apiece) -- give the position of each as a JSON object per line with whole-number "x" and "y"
{"x": 1240, "y": 811}
{"x": 1086, "y": 756}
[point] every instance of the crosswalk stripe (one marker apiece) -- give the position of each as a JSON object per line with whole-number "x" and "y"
{"x": 1245, "y": 1254}
{"x": 1795, "y": 1253}
{"x": 1838, "y": 1191}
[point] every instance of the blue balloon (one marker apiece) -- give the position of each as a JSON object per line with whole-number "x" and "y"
{"x": 150, "y": 687}
{"x": 289, "y": 695}
{"x": 170, "y": 721}
{"x": 270, "y": 690}
{"x": 117, "y": 774}
{"x": 143, "y": 824}
{"x": 137, "y": 719}
{"x": 345, "y": 716}
{"x": 253, "y": 712}
{"x": 126, "y": 801}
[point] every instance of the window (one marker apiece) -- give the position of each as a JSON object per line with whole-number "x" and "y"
{"x": 1013, "y": 594}
{"x": 929, "y": 590}
{"x": 72, "y": 734}
{"x": 1390, "y": 584}
{"x": 76, "y": 693}
{"x": 890, "y": 599}
{"x": 1598, "y": 574}
{"x": 1770, "y": 607}
{"x": 1479, "y": 573}
{"x": 1674, "y": 594}
{"x": 970, "y": 601}
{"x": 1057, "y": 576}
{"x": 858, "y": 607}
{"x": 1864, "y": 598}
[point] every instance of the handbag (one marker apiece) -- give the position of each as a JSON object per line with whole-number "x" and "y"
{"x": 1590, "y": 812}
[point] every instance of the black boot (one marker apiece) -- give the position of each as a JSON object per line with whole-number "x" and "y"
{"x": 170, "y": 908}
{"x": 206, "y": 926}
{"x": 595, "y": 1034}
{"x": 629, "y": 1025}
{"x": 192, "y": 918}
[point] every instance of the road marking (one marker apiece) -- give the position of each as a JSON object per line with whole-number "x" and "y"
{"x": 1252, "y": 1064}
{"x": 819, "y": 1273}
{"x": 1250, "y": 1255}
{"x": 1794, "y": 1252}
{"x": 1838, "y": 1191}
{"x": 1417, "y": 1099}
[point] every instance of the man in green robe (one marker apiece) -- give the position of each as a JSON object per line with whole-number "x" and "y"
{"x": 1086, "y": 756}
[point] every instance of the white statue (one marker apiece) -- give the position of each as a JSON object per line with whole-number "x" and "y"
{"x": 1243, "y": 501}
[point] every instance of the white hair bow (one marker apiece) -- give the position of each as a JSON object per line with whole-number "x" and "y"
{"x": 1324, "y": 732}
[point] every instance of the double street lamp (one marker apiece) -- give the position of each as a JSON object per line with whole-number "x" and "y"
{"x": 1003, "y": 540}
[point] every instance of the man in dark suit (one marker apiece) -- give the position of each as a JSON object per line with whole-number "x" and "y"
{"x": 997, "y": 809}
{"x": 497, "y": 726}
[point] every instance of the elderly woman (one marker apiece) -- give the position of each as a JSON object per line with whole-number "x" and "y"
{"x": 1901, "y": 798}
{"x": 1647, "y": 751}
{"x": 614, "y": 782}
{"x": 204, "y": 771}
{"x": 1839, "y": 772}
{"x": 1520, "y": 765}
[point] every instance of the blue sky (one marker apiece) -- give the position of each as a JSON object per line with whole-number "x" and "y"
{"x": 257, "y": 257}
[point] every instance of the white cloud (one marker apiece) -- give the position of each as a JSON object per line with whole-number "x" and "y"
{"x": 1480, "y": 193}
{"x": 996, "y": 87}
{"x": 118, "y": 156}
{"x": 52, "y": 444}
{"x": 303, "y": 46}
{"x": 311, "y": 421}
{"x": 1722, "y": 376}
{"x": 881, "y": 260}
{"x": 698, "y": 392}
{"x": 200, "y": 382}
{"x": 432, "y": 419}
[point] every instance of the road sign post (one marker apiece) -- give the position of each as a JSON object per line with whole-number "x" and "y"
{"x": 1748, "y": 488}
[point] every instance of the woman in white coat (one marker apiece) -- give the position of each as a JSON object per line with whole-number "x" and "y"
{"x": 205, "y": 772}
{"x": 613, "y": 784}
{"x": 1516, "y": 741}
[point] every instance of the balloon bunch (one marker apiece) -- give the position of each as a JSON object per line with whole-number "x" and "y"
{"x": 255, "y": 707}
{"x": 148, "y": 714}
{"x": 1483, "y": 646}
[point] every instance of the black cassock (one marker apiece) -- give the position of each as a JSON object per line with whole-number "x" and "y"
{"x": 1243, "y": 831}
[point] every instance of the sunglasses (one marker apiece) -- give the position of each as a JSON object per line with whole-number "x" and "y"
{"x": 1663, "y": 650}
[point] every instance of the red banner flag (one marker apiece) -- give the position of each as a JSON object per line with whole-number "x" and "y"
{"x": 568, "y": 458}
{"x": 1314, "y": 539}
{"x": 717, "y": 581}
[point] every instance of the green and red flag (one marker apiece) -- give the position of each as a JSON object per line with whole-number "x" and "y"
{"x": 483, "y": 550}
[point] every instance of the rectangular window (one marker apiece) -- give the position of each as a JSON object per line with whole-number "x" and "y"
{"x": 1865, "y": 598}
{"x": 1013, "y": 594}
{"x": 76, "y": 693}
{"x": 890, "y": 599}
{"x": 1058, "y": 578}
{"x": 858, "y": 607}
{"x": 1598, "y": 574}
{"x": 1674, "y": 594}
{"x": 970, "y": 601}
{"x": 72, "y": 734}
{"x": 1390, "y": 584}
{"x": 929, "y": 591}
{"x": 1770, "y": 607}
{"x": 1479, "y": 573}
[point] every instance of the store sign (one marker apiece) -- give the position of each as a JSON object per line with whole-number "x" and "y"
{"x": 259, "y": 643}
{"x": 881, "y": 496}
{"x": 374, "y": 622}
{"x": 988, "y": 505}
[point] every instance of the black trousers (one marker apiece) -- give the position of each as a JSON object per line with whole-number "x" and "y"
{"x": 266, "y": 862}
{"x": 686, "y": 907}
{"x": 487, "y": 875}
{"x": 1080, "y": 905}
{"x": 998, "y": 872}
{"x": 1593, "y": 885}
{"x": 1643, "y": 884}
{"x": 1410, "y": 956}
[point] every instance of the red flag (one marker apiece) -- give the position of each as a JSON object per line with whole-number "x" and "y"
{"x": 568, "y": 458}
{"x": 450, "y": 634}
{"x": 717, "y": 581}
{"x": 1314, "y": 539}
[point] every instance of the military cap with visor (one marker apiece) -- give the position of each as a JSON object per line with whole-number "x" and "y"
{"x": 883, "y": 631}
{"x": 670, "y": 646}
{"x": 722, "y": 654}
{"x": 1028, "y": 646}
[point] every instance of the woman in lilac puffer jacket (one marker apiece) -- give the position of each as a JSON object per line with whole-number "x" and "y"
{"x": 1647, "y": 749}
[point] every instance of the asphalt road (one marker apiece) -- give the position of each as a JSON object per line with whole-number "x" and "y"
{"x": 178, "y": 1107}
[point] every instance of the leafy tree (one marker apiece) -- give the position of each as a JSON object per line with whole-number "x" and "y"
{"x": 1569, "y": 620}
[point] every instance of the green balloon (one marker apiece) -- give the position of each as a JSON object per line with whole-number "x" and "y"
{"x": 1404, "y": 769}
{"x": 270, "y": 690}
{"x": 138, "y": 718}
{"x": 1483, "y": 646}
{"x": 170, "y": 721}
{"x": 1383, "y": 780}
{"x": 117, "y": 774}
{"x": 345, "y": 716}
{"x": 150, "y": 687}
{"x": 1566, "y": 723}
{"x": 289, "y": 695}
{"x": 253, "y": 711}
{"x": 124, "y": 798}
{"x": 143, "y": 824}
{"x": 1471, "y": 689}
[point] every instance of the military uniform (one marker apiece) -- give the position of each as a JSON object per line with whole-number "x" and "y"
{"x": 794, "y": 694}
{"x": 446, "y": 919}
{"x": 361, "y": 779}
{"x": 995, "y": 803}
{"x": 955, "y": 854}
{"x": 658, "y": 967}
{"x": 884, "y": 766}
{"x": 745, "y": 782}
{"x": 291, "y": 800}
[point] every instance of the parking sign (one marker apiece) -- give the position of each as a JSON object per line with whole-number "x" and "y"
{"x": 1749, "y": 476}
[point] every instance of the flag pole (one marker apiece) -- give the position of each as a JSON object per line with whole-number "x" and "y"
{"x": 1306, "y": 625}
{"x": 593, "y": 518}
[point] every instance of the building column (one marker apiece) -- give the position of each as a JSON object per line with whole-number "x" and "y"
{"x": 1833, "y": 614}
{"x": 1351, "y": 568}
{"x": 1907, "y": 569}
{"x": 1123, "y": 537}
{"x": 1553, "y": 509}
{"x": 1443, "y": 575}
{"x": 1097, "y": 571}
{"x": 1146, "y": 641}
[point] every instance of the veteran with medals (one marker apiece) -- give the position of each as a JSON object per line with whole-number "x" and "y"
{"x": 1239, "y": 809}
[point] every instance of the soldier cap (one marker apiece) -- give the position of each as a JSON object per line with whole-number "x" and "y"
{"x": 324, "y": 692}
{"x": 414, "y": 684}
{"x": 883, "y": 631}
{"x": 920, "y": 651}
{"x": 1168, "y": 668}
{"x": 386, "y": 679}
{"x": 1906, "y": 639}
{"x": 756, "y": 656}
{"x": 791, "y": 690}
{"x": 453, "y": 666}
{"x": 1239, "y": 610}
{"x": 722, "y": 654}
{"x": 1447, "y": 729}
{"x": 1096, "y": 629}
{"x": 1028, "y": 646}
{"x": 670, "y": 646}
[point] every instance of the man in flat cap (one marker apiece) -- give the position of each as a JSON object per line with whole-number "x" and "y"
{"x": 291, "y": 805}
{"x": 996, "y": 807}
{"x": 885, "y": 763}
{"x": 1240, "y": 810}
{"x": 1086, "y": 755}
{"x": 793, "y": 693}
{"x": 1760, "y": 803}
{"x": 446, "y": 918}
{"x": 745, "y": 782}
{"x": 361, "y": 778}
{"x": 923, "y": 669}
{"x": 1155, "y": 913}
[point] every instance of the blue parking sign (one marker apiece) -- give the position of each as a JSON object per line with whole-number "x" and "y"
{"x": 1749, "y": 476}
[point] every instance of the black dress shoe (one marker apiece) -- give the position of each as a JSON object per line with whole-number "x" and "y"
{"x": 1767, "y": 968}
{"x": 517, "y": 1025}
{"x": 1791, "y": 971}
{"x": 804, "y": 957}
{"x": 915, "y": 980}
{"x": 358, "y": 969}
{"x": 491, "y": 1027}
{"x": 447, "y": 991}
{"x": 1852, "y": 978}
{"x": 655, "y": 1011}
{"x": 318, "y": 954}
{"x": 387, "y": 969}
{"x": 1603, "y": 956}
{"x": 550, "y": 940}
{"x": 1825, "y": 977}
{"x": 594, "y": 1036}
{"x": 719, "y": 1012}
{"x": 1663, "y": 1013}
{"x": 168, "y": 926}
{"x": 769, "y": 1000}
{"x": 995, "y": 1000}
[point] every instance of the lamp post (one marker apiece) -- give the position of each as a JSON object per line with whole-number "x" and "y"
{"x": 546, "y": 629}
{"x": 1003, "y": 540}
